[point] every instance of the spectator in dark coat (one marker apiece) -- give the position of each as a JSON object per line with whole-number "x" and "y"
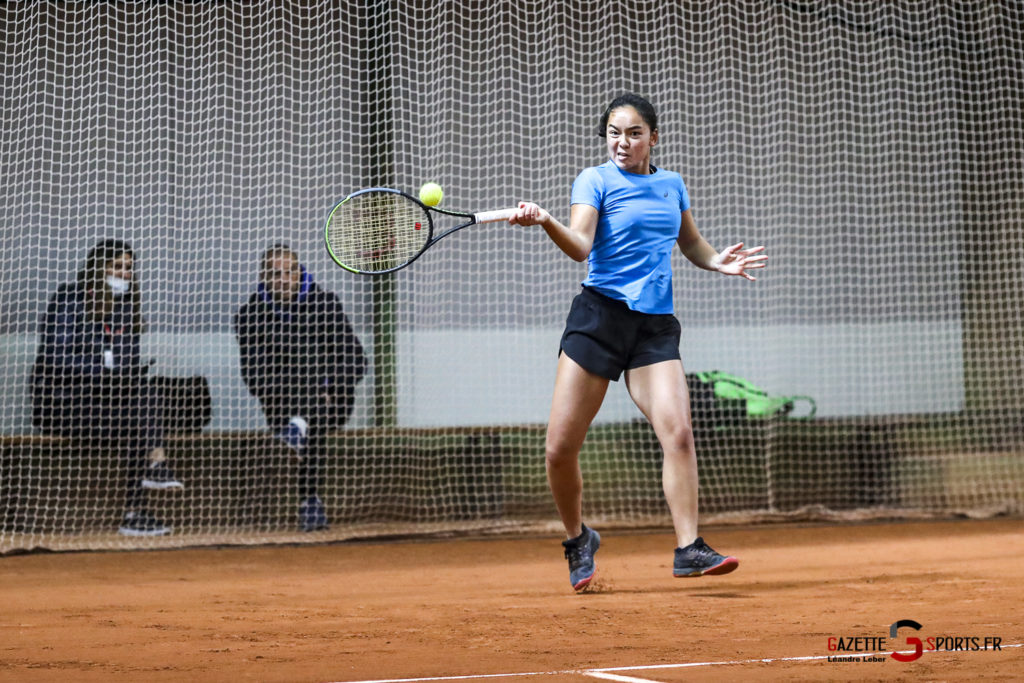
{"x": 89, "y": 382}
{"x": 300, "y": 357}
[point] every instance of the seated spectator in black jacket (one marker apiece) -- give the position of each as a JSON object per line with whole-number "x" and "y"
{"x": 89, "y": 382}
{"x": 302, "y": 360}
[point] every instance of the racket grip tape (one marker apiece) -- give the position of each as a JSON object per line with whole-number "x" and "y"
{"x": 494, "y": 216}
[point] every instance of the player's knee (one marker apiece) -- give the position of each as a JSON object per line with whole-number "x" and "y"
{"x": 559, "y": 454}
{"x": 676, "y": 437}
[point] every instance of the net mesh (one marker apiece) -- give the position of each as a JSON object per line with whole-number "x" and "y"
{"x": 874, "y": 147}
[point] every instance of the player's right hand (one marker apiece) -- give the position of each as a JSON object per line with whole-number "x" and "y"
{"x": 529, "y": 214}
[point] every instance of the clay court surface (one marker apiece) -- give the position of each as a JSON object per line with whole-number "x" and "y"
{"x": 503, "y": 610}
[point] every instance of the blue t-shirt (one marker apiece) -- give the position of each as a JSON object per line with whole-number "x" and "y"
{"x": 637, "y": 227}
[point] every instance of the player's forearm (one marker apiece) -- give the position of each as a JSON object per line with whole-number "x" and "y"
{"x": 572, "y": 243}
{"x": 700, "y": 253}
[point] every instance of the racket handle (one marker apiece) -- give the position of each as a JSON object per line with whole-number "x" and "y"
{"x": 494, "y": 216}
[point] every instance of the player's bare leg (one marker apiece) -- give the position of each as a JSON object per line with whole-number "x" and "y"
{"x": 660, "y": 393}
{"x": 577, "y": 397}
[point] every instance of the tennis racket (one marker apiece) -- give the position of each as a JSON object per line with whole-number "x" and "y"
{"x": 380, "y": 230}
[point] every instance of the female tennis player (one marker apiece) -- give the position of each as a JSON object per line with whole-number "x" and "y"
{"x": 625, "y": 217}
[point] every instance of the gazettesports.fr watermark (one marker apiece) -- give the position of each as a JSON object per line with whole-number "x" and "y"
{"x": 905, "y": 644}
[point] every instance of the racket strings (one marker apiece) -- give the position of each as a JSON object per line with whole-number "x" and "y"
{"x": 377, "y": 231}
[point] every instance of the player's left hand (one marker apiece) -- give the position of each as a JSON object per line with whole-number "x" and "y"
{"x": 736, "y": 260}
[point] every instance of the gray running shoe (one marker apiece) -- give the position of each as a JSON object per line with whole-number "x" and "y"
{"x": 580, "y": 553}
{"x": 698, "y": 559}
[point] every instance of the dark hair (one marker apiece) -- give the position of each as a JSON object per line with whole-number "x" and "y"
{"x": 97, "y": 259}
{"x": 642, "y": 106}
{"x": 90, "y": 280}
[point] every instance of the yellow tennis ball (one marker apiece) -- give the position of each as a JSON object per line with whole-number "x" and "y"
{"x": 431, "y": 194}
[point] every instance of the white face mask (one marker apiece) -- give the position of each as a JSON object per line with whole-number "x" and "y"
{"x": 118, "y": 285}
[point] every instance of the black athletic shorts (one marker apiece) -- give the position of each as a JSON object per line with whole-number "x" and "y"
{"x": 605, "y": 337}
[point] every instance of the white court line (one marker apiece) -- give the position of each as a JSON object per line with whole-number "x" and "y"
{"x": 607, "y": 673}
{"x": 771, "y": 660}
{"x": 617, "y": 677}
{"x": 463, "y": 678}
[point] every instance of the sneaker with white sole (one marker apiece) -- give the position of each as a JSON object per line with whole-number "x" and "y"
{"x": 142, "y": 523}
{"x": 158, "y": 476}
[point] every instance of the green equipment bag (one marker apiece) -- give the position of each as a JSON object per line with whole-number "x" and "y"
{"x": 758, "y": 403}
